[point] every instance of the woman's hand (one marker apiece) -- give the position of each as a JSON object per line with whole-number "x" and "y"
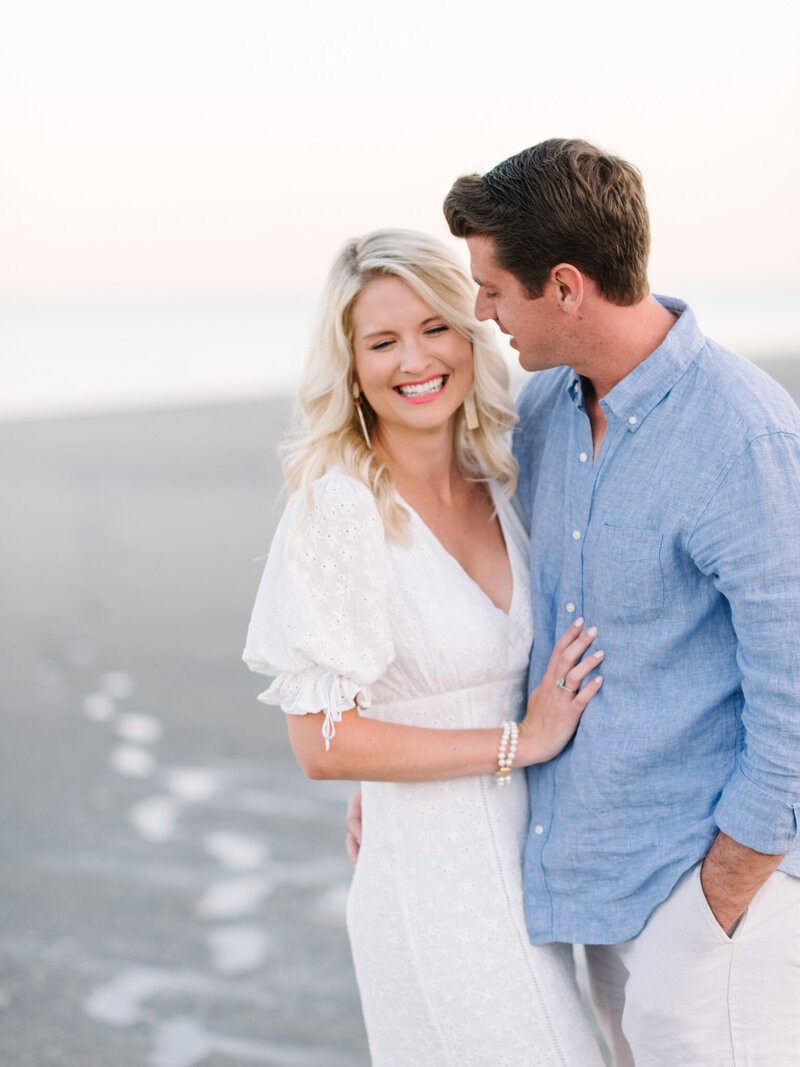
{"x": 352, "y": 841}
{"x": 369, "y": 750}
{"x": 556, "y": 704}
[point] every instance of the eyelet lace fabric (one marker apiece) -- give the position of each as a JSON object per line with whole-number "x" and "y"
{"x": 320, "y": 623}
{"x": 343, "y": 616}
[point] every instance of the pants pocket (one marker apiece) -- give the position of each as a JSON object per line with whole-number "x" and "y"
{"x": 709, "y": 919}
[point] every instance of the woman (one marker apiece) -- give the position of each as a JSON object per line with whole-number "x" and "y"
{"x": 394, "y": 613}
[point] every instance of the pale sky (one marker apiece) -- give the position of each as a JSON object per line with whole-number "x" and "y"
{"x": 230, "y": 146}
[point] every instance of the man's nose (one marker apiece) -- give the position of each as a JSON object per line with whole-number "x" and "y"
{"x": 484, "y": 307}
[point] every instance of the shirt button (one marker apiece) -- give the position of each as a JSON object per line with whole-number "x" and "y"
{"x": 538, "y": 829}
{"x": 633, "y": 420}
{"x": 576, "y": 535}
{"x": 583, "y": 457}
{"x": 570, "y": 608}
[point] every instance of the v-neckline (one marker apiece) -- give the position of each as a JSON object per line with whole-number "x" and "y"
{"x": 506, "y": 543}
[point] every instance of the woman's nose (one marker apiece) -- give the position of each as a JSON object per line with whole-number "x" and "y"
{"x": 414, "y": 356}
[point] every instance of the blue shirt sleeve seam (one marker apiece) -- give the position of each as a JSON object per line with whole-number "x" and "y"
{"x": 726, "y": 471}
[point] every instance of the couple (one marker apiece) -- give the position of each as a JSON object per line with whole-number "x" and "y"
{"x": 658, "y": 820}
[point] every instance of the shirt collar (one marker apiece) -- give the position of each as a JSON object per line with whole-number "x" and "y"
{"x": 647, "y": 384}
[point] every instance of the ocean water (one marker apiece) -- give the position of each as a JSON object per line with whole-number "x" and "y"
{"x": 80, "y": 356}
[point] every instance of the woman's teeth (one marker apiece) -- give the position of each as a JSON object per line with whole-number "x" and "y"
{"x": 434, "y": 385}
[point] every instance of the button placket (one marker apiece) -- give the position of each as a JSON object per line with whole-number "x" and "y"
{"x": 580, "y": 476}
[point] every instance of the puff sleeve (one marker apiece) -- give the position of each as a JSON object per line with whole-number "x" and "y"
{"x": 320, "y": 624}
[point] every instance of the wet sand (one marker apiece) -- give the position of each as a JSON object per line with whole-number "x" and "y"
{"x": 172, "y": 888}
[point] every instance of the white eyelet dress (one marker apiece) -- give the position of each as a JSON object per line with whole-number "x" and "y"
{"x": 446, "y": 974}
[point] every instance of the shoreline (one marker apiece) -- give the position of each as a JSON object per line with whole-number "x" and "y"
{"x": 785, "y": 369}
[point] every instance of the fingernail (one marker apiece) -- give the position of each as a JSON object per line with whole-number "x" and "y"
{"x": 598, "y": 680}
{"x": 599, "y": 655}
{"x": 578, "y": 622}
{"x": 591, "y": 632}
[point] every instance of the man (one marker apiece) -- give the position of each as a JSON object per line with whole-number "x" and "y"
{"x": 661, "y": 475}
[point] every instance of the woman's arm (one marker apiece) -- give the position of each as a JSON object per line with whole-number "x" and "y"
{"x": 368, "y": 750}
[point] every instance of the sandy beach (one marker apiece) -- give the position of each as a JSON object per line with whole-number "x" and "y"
{"x": 172, "y": 887}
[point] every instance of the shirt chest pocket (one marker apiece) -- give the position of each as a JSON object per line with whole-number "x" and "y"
{"x": 624, "y": 575}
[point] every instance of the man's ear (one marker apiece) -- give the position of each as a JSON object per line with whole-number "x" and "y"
{"x": 568, "y": 288}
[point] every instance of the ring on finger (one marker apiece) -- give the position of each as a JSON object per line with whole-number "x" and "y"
{"x": 562, "y": 684}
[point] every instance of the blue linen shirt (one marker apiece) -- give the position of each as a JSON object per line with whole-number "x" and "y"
{"x": 681, "y": 543}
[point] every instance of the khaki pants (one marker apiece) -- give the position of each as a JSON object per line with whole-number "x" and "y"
{"x": 685, "y": 994}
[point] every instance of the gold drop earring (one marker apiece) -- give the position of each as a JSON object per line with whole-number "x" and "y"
{"x": 360, "y": 411}
{"x": 471, "y": 411}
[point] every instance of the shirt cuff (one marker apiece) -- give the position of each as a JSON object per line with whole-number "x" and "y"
{"x": 755, "y": 818}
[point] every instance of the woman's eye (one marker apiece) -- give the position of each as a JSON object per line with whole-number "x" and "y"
{"x": 437, "y": 329}
{"x": 381, "y": 346}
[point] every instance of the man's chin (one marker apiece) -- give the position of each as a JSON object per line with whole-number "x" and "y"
{"x": 530, "y": 363}
{"x": 533, "y": 361}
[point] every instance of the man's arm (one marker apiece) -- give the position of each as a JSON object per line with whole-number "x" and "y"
{"x": 748, "y": 542}
{"x": 731, "y": 876}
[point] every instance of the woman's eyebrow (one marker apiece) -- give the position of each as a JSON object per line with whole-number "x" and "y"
{"x": 377, "y": 333}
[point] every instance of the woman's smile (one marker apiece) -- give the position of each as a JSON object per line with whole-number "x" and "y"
{"x": 424, "y": 391}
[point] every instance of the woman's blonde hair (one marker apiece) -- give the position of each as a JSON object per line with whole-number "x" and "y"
{"x": 332, "y": 435}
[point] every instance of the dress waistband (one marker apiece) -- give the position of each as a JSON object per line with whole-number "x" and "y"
{"x": 509, "y": 684}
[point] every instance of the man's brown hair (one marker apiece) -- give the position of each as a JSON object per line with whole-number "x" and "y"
{"x": 562, "y": 201}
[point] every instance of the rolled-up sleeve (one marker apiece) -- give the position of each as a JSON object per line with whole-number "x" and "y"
{"x": 747, "y": 539}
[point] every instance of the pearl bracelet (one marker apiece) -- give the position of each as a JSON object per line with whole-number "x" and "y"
{"x": 506, "y": 752}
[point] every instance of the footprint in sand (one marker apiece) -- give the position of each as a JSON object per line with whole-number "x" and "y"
{"x": 117, "y": 684}
{"x": 232, "y": 898}
{"x": 192, "y": 784}
{"x": 99, "y": 707}
{"x": 235, "y": 851}
{"x": 184, "y": 1042}
{"x": 238, "y": 948}
{"x": 132, "y": 762}
{"x": 139, "y": 729}
{"x": 155, "y": 818}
